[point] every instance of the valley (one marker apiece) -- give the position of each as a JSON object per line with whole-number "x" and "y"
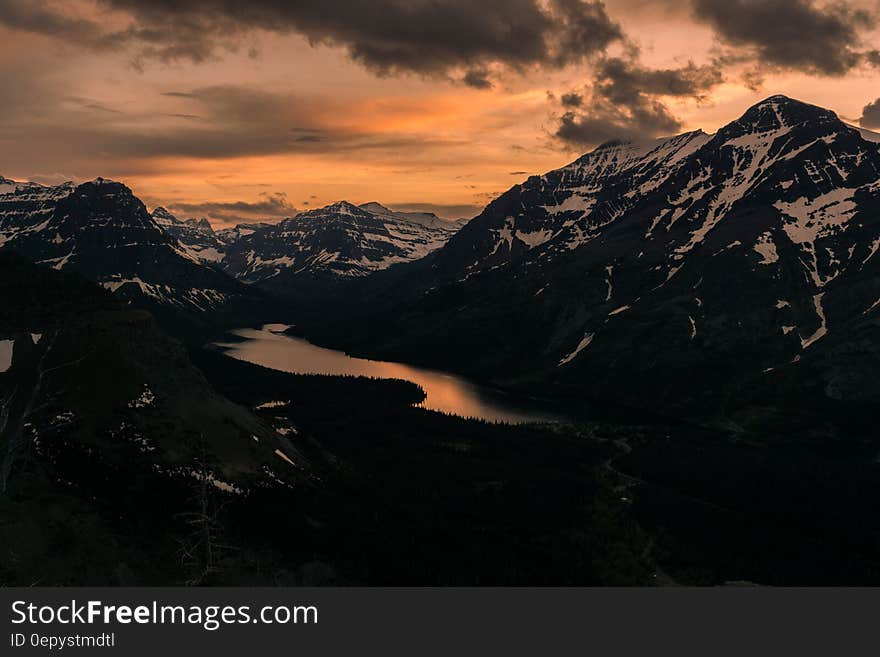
{"x": 444, "y": 392}
{"x": 656, "y": 364}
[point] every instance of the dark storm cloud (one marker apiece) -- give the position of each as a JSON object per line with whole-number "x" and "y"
{"x": 820, "y": 37}
{"x": 38, "y": 17}
{"x": 871, "y": 116}
{"x": 649, "y": 118}
{"x": 430, "y": 37}
{"x": 582, "y": 30}
{"x": 185, "y": 39}
{"x": 478, "y": 79}
{"x": 572, "y": 99}
{"x": 269, "y": 207}
{"x": 623, "y": 101}
{"x": 792, "y": 34}
{"x": 624, "y": 81}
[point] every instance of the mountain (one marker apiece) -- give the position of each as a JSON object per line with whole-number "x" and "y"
{"x": 176, "y": 267}
{"x": 102, "y": 231}
{"x": 427, "y": 219}
{"x": 699, "y": 271}
{"x": 341, "y": 240}
{"x": 112, "y": 440}
{"x": 196, "y": 235}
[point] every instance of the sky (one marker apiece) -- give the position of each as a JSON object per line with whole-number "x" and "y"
{"x": 243, "y": 111}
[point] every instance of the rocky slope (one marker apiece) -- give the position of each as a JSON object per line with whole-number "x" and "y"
{"x": 196, "y": 235}
{"x": 102, "y": 231}
{"x": 110, "y": 440}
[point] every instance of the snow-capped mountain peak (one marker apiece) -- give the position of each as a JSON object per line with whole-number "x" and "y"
{"x": 195, "y": 235}
{"x": 103, "y": 231}
{"x": 749, "y": 250}
{"x": 421, "y": 218}
{"x": 375, "y": 207}
{"x": 163, "y": 217}
{"x": 202, "y": 225}
{"x": 339, "y": 240}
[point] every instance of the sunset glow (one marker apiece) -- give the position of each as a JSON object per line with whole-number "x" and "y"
{"x": 276, "y": 111}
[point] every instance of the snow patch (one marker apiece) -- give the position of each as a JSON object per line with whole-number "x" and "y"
{"x": 807, "y": 220}
{"x": 6, "y": 354}
{"x": 284, "y": 456}
{"x": 583, "y": 344}
{"x": 766, "y": 248}
{"x": 145, "y": 399}
{"x": 822, "y": 331}
{"x": 271, "y": 404}
{"x": 219, "y": 484}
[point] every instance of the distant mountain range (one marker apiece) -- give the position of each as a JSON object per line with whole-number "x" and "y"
{"x": 101, "y": 230}
{"x": 693, "y": 271}
{"x": 341, "y": 239}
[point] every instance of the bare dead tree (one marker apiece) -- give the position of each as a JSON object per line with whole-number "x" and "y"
{"x": 202, "y": 549}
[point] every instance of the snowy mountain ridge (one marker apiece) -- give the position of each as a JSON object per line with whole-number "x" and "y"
{"x": 101, "y": 230}
{"x": 341, "y": 239}
{"x": 729, "y": 256}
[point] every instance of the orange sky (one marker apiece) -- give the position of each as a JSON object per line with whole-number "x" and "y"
{"x": 283, "y": 124}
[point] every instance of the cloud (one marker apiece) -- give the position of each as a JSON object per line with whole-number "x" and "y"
{"x": 817, "y": 37}
{"x": 478, "y": 79}
{"x": 584, "y": 29}
{"x": 39, "y": 17}
{"x": 623, "y": 81}
{"x": 217, "y": 122}
{"x": 428, "y": 37}
{"x": 871, "y": 116}
{"x": 445, "y": 211}
{"x": 791, "y": 34}
{"x": 87, "y": 104}
{"x": 624, "y": 101}
{"x": 607, "y": 123}
{"x": 270, "y": 207}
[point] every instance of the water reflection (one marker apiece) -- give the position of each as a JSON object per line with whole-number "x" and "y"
{"x": 445, "y": 392}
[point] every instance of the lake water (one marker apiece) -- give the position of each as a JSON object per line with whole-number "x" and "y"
{"x": 445, "y": 392}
